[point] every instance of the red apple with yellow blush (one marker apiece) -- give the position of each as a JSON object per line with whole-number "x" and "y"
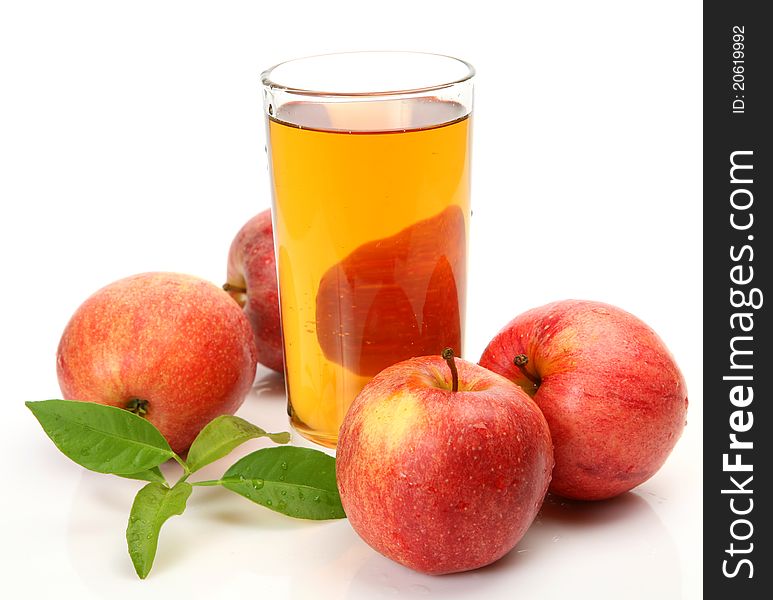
{"x": 442, "y": 465}
{"x": 172, "y": 348}
{"x": 610, "y": 390}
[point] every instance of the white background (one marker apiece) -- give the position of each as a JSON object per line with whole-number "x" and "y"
{"x": 131, "y": 139}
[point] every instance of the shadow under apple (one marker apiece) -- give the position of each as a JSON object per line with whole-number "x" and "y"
{"x": 615, "y": 548}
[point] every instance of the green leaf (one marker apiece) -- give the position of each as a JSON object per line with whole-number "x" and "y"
{"x": 102, "y": 438}
{"x": 153, "y": 474}
{"x": 223, "y": 434}
{"x": 153, "y": 505}
{"x": 298, "y": 482}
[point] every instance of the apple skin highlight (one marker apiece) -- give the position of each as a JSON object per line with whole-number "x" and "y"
{"x": 442, "y": 481}
{"x": 175, "y": 342}
{"x": 610, "y": 391}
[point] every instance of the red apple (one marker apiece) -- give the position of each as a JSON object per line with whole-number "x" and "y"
{"x": 252, "y": 283}
{"x": 442, "y": 480}
{"x": 396, "y": 297}
{"x": 611, "y": 392}
{"x": 172, "y": 348}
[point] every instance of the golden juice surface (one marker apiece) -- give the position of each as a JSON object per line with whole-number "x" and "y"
{"x": 371, "y": 214}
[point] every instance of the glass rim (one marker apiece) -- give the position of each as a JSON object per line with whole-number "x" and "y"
{"x": 265, "y": 77}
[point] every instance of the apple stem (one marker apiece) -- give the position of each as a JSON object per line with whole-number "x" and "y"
{"x": 228, "y": 287}
{"x": 521, "y": 361}
{"x": 137, "y": 406}
{"x": 448, "y": 355}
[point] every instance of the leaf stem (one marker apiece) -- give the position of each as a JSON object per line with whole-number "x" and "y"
{"x": 183, "y": 464}
{"x": 207, "y": 483}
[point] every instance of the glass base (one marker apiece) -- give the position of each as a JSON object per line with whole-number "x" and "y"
{"x": 323, "y": 439}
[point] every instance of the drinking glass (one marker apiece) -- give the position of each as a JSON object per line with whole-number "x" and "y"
{"x": 369, "y": 156}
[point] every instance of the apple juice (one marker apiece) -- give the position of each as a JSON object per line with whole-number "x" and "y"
{"x": 371, "y": 214}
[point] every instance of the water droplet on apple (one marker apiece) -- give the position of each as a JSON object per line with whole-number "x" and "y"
{"x": 316, "y": 498}
{"x": 284, "y": 465}
{"x": 269, "y": 503}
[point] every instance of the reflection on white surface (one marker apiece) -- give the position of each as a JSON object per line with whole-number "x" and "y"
{"x": 613, "y": 549}
{"x": 224, "y": 544}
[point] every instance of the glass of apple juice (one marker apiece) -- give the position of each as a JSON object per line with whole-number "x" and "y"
{"x": 369, "y": 156}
